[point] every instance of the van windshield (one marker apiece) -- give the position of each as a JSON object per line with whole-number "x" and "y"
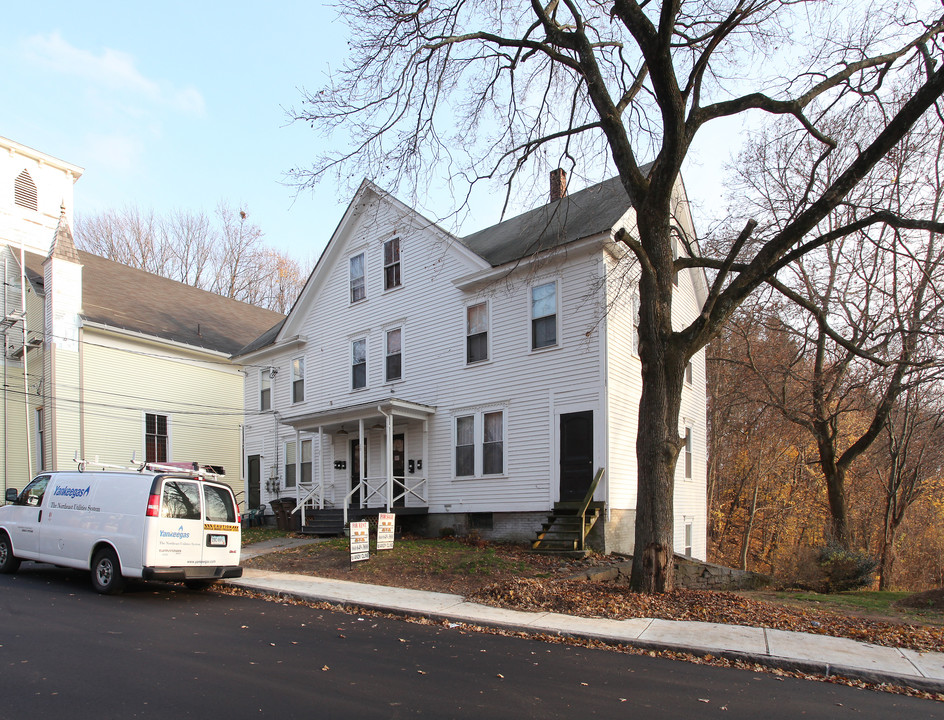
{"x": 219, "y": 504}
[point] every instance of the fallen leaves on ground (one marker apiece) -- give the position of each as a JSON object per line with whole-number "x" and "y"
{"x": 590, "y": 599}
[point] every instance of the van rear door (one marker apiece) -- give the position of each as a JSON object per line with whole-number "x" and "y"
{"x": 221, "y": 530}
{"x": 179, "y": 531}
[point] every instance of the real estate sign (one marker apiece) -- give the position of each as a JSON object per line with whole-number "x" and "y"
{"x": 385, "y": 525}
{"x": 360, "y": 541}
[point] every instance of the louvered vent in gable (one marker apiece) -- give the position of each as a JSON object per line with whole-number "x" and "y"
{"x": 24, "y": 191}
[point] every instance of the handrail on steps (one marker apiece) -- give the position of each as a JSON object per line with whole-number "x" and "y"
{"x": 585, "y": 503}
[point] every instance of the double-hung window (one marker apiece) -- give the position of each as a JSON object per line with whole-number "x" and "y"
{"x": 544, "y": 316}
{"x": 357, "y": 272}
{"x": 393, "y": 366}
{"x": 265, "y": 389}
{"x": 635, "y": 311}
{"x": 305, "y": 461}
{"x": 465, "y": 446}
{"x": 391, "y": 250}
{"x": 480, "y": 444}
{"x": 359, "y": 363}
{"x": 476, "y": 333}
{"x": 155, "y": 438}
{"x": 688, "y": 453}
{"x": 493, "y": 443}
{"x": 290, "y": 458}
{"x": 298, "y": 380}
{"x": 294, "y": 462}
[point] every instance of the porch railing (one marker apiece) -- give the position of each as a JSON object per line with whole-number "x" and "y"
{"x": 370, "y": 488}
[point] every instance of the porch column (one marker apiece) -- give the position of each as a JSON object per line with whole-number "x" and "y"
{"x": 388, "y": 421}
{"x": 425, "y": 473}
{"x": 298, "y": 465}
{"x": 363, "y": 457}
{"x": 321, "y": 470}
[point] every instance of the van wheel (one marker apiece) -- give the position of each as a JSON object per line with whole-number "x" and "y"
{"x": 198, "y": 584}
{"x": 8, "y": 563}
{"x": 106, "y": 573}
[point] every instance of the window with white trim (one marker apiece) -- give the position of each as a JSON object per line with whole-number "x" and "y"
{"x": 635, "y": 311}
{"x": 359, "y": 363}
{"x": 544, "y": 315}
{"x": 265, "y": 389}
{"x": 155, "y": 438}
{"x": 493, "y": 443}
{"x": 357, "y": 274}
{"x": 476, "y": 333}
{"x": 40, "y": 440}
{"x": 393, "y": 355}
{"x": 689, "y": 373}
{"x": 290, "y": 455}
{"x": 687, "y": 452}
{"x": 465, "y": 446}
{"x": 480, "y": 444}
{"x": 306, "y": 462}
{"x": 298, "y": 380}
{"x": 689, "y": 536}
{"x": 391, "y": 252}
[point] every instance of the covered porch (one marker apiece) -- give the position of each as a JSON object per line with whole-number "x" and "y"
{"x": 365, "y": 459}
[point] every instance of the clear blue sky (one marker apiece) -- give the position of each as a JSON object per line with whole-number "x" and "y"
{"x": 180, "y": 105}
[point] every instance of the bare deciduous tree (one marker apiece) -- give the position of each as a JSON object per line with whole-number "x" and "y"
{"x": 478, "y": 89}
{"x": 227, "y": 257}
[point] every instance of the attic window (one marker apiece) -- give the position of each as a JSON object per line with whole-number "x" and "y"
{"x": 24, "y": 191}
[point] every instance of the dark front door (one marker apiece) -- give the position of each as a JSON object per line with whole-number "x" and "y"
{"x": 576, "y": 455}
{"x": 255, "y": 464}
{"x": 355, "y": 472}
{"x": 399, "y": 470}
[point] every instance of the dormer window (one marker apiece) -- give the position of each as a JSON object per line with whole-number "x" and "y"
{"x": 24, "y": 191}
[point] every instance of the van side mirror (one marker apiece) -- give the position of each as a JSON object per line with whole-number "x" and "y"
{"x": 11, "y": 495}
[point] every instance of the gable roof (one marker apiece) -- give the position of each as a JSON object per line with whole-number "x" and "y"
{"x": 134, "y": 300}
{"x": 587, "y": 212}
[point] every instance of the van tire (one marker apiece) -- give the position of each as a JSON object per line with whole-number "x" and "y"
{"x": 198, "y": 584}
{"x": 8, "y": 562}
{"x": 106, "y": 573}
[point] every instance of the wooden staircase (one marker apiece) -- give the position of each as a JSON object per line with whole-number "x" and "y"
{"x": 567, "y": 527}
{"x": 323, "y": 522}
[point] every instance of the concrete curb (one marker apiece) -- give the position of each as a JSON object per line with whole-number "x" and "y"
{"x": 810, "y": 667}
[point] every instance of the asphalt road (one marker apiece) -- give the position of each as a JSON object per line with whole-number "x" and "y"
{"x": 161, "y": 651}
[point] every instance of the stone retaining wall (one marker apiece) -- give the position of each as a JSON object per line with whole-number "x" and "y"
{"x": 689, "y": 573}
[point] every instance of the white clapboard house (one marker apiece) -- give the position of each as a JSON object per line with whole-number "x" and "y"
{"x": 470, "y": 384}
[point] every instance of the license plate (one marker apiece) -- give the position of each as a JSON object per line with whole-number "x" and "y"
{"x": 216, "y": 541}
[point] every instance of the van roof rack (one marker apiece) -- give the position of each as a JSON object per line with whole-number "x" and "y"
{"x": 206, "y": 472}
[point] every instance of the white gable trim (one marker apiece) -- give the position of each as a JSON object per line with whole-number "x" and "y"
{"x": 333, "y": 251}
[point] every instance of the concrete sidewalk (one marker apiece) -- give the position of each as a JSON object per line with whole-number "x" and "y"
{"x": 815, "y": 654}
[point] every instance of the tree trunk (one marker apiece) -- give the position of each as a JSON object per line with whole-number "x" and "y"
{"x": 745, "y": 545}
{"x": 657, "y": 439}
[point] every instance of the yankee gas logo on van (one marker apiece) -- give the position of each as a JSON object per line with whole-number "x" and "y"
{"x": 71, "y": 492}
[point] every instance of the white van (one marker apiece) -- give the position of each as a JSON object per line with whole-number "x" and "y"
{"x": 160, "y": 526}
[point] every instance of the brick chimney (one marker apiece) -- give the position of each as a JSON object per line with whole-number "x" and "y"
{"x": 558, "y": 184}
